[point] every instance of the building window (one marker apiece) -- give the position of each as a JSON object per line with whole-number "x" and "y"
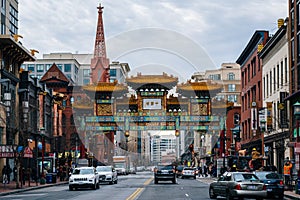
{"x": 3, "y": 30}
{"x": 86, "y": 81}
{"x": 86, "y": 72}
{"x": 113, "y": 72}
{"x": 231, "y": 87}
{"x": 274, "y": 79}
{"x": 68, "y": 67}
{"x": 214, "y": 77}
{"x": 76, "y": 70}
{"x": 40, "y": 67}
{"x": 30, "y": 68}
{"x": 249, "y": 72}
{"x": 231, "y": 76}
{"x": 285, "y": 70}
{"x": 59, "y": 66}
{"x": 48, "y": 66}
{"x": 270, "y": 82}
{"x": 13, "y": 16}
{"x": 281, "y": 73}
{"x": 232, "y": 98}
{"x": 277, "y": 76}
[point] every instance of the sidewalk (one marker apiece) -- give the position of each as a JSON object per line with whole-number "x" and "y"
{"x": 287, "y": 193}
{"x": 11, "y": 187}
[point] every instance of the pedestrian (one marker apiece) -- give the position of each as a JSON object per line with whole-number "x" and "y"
{"x": 15, "y": 170}
{"x": 4, "y": 175}
{"x": 287, "y": 172}
{"x": 199, "y": 171}
{"x": 205, "y": 170}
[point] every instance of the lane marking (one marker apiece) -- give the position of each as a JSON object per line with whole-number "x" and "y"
{"x": 138, "y": 191}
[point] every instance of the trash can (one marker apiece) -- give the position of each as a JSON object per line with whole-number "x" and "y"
{"x": 49, "y": 178}
{"x": 54, "y": 175}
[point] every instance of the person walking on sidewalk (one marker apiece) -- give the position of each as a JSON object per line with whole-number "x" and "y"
{"x": 287, "y": 172}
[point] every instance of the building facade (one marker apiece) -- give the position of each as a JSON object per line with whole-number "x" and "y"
{"x": 9, "y": 17}
{"x": 251, "y": 91}
{"x": 275, "y": 83}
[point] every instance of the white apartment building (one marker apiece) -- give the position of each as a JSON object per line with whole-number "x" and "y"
{"x": 76, "y": 67}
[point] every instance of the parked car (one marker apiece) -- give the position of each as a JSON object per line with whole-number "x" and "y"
{"x": 107, "y": 174}
{"x": 274, "y": 183}
{"x": 179, "y": 171}
{"x": 84, "y": 177}
{"x": 132, "y": 170}
{"x": 164, "y": 173}
{"x": 188, "y": 172}
{"x": 238, "y": 184}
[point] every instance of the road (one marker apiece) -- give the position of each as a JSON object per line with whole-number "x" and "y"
{"x": 131, "y": 187}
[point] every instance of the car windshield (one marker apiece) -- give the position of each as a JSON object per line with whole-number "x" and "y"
{"x": 187, "y": 168}
{"x": 83, "y": 171}
{"x": 245, "y": 177}
{"x": 103, "y": 169}
{"x": 168, "y": 167}
{"x": 268, "y": 175}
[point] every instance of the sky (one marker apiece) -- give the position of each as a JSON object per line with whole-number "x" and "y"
{"x": 177, "y": 37}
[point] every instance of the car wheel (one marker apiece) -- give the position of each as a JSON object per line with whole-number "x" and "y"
{"x": 212, "y": 194}
{"x": 228, "y": 196}
{"x": 111, "y": 183}
{"x": 70, "y": 188}
{"x": 116, "y": 181}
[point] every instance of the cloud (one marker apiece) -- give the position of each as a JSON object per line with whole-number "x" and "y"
{"x": 221, "y": 28}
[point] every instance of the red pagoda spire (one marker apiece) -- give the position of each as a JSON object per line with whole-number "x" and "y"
{"x": 99, "y": 63}
{"x": 100, "y": 49}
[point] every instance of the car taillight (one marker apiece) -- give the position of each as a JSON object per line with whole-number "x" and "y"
{"x": 281, "y": 182}
{"x": 264, "y": 187}
{"x": 238, "y": 187}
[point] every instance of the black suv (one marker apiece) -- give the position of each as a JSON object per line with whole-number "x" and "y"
{"x": 164, "y": 173}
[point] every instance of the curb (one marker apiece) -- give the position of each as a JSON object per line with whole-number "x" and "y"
{"x": 14, "y": 191}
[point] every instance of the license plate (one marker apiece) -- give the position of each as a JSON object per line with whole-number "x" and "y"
{"x": 164, "y": 171}
{"x": 251, "y": 187}
{"x": 269, "y": 190}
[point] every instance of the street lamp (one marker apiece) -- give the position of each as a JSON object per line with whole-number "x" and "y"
{"x": 42, "y": 133}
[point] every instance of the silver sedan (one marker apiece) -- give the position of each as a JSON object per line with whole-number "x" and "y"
{"x": 238, "y": 185}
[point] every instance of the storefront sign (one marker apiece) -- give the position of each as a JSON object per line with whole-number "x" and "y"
{"x": 6, "y": 151}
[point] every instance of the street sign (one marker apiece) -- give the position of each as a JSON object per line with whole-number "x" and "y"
{"x": 28, "y": 153}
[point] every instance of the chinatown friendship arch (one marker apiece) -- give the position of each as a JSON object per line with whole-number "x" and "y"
{"x": 145, "y": 103}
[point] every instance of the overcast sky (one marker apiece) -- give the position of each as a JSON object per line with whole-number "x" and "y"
{"x": 178, "y": 37}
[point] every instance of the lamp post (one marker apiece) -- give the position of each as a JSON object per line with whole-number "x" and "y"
{"x": 126, "y": 134}
{"x": 263, "y": 129}
{"x": 42, "y": 133}
{"x": 297, "y": 116}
